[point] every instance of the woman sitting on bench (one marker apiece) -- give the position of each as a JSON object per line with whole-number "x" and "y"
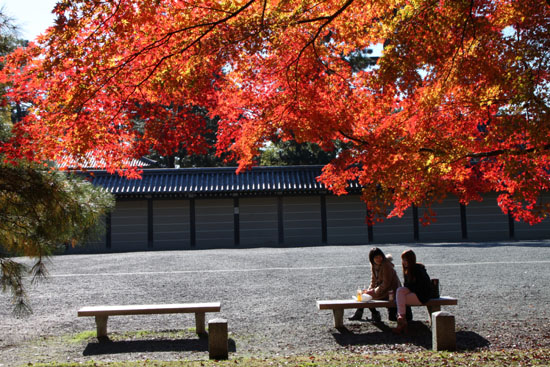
{"x": 417, "y": 289}
{"x": 383, "y": 280}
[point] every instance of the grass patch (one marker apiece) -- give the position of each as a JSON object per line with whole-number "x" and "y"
{"x": 504, "y": 358}
{"x": 90, "y": 335}
{"x": 152, "y": 335}
{"x": 81, "y": 337}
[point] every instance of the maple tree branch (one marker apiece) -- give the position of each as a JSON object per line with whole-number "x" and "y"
{"x": 313, "y": 20}
{"x": 263, "y": 13}
{"x": 498, "y": 152}
{"x": 118, "y": 69}
{"x": 197, "y": 40}
{"x": 328, "y": 20}
{"x": 117, "y": 8}
{"x": 162, "y": 41}
{"x": 348, "y": 136}
{"x": 463, "y": 37}
{"x": 329, "y": 70}
{"x": 492, "y": 153}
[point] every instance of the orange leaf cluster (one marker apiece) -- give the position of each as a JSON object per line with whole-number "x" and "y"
{"x": 458, "y": 101}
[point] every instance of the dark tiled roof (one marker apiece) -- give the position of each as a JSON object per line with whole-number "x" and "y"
{"x": 91, "y": 162}
{"x": 215, "y": 181}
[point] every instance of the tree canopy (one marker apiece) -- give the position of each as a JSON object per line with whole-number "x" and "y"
{"x": 457, "y": 103}
{"x": 41, "y": 209}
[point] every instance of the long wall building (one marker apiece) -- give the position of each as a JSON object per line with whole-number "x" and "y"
{"x": 198, "y": 208}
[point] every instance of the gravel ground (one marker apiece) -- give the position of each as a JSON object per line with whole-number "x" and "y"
{"x": 268, "y": 297}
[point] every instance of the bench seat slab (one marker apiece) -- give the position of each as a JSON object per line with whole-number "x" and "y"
{"x": 149, "y": 309}
{"x": 350, "y": 303}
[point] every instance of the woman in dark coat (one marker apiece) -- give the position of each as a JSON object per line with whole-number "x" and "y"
{"x": 384, "y": 280}
{"x": 416, "y": 290}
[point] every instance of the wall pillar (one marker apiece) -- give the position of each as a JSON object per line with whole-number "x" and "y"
{"x": 511, "y": 227}
{"x": 370, "y": 229}
{"x": 108, "y": 231}
{"x": 192, "y": 223}
{"x": 463, "y": 222}
{"x": 280, "y": 220}
{"x": 236, "y": 222}
{"x": 150, "y": 221}
{"x": 324, "y": 231}
{"x": 415, "y": 223}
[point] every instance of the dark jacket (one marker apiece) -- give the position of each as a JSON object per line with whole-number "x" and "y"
{"x": 418, "y": 281}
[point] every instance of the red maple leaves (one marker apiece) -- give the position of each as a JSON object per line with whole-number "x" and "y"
{"x": 457, "y": 103}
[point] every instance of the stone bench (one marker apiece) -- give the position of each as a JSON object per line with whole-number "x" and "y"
{"x": 338, "y": 306}
{"x": 102, "y": 313}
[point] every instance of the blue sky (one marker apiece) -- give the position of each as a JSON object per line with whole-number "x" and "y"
{"x": 31, "y": 16}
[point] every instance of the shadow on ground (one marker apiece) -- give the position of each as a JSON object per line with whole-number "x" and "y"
{"x": 418, "y": 334}
{"x": 468, "y": 340}
{"x": 107, "y": 346}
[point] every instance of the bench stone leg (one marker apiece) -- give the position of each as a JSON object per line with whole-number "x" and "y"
{"x": 217, "y": 339}
{"x": 443, "y": 331}
{"x": 431, "y": 310}
{"x": 101, "y": 324}
{"x": 338, "y": 317}
{"x": 199, "y": 323}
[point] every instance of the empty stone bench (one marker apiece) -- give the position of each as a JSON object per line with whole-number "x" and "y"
{"x": 338, "y": 306}
{"x": 102, "y": 313}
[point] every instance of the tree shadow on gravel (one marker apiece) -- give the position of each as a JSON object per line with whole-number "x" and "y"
{"x": 107, "y": 346}
{"x": 418, "y": 334}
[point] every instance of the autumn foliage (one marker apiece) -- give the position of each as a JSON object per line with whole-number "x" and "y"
{"x": 458, "y": 102}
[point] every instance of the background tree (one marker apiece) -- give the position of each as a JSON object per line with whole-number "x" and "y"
{"x": 41, "y": 210}
{"x": 292, "y": 153}
{"x": 207, "y": 156}
{"x": 8, "y": 43}
{"x": 457, "y": 103}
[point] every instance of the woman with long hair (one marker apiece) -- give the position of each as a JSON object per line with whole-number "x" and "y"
{"x": 416, "y": 290}
{"x": 383, "y": 280}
